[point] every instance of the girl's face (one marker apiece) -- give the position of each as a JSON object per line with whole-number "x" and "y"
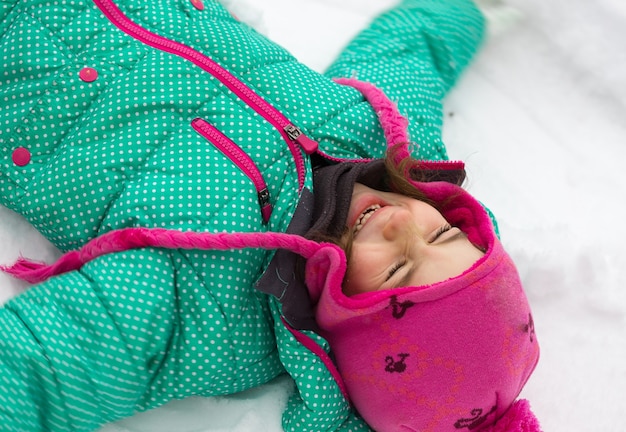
{"x": 400, "y": 241}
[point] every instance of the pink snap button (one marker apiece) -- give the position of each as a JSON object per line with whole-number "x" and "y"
{"x": 21, "y": 156}
{"x": 198, "y": 4}
{"x": 88, "y": 74}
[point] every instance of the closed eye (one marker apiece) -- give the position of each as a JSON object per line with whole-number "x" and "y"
{"x": 444, "y": 229}
{"x": 395, "y": 269}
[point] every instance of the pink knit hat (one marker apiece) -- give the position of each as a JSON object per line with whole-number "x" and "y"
{"x": 449, "y": 356}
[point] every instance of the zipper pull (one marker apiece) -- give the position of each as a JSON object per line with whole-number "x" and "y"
{"x": 295, "y": 134}
{"x": 264, "y": 203}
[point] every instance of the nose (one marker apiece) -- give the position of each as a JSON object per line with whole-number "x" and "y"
{"x": 398, "y": 226}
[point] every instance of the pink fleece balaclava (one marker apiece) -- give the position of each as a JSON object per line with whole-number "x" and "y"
{"x": 450, "y": 356}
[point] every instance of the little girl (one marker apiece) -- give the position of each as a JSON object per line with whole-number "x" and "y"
{"x": 185, "y": 163}
{"x": 429, "y": 318}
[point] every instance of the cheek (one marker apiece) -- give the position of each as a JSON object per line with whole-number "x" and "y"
{"x": 354, "y": 282}
{"x": 469, "y": 253}
{"x": 361, "y": 272}
{"x": 425, "y": 213}
{"x": 459, "y": 260}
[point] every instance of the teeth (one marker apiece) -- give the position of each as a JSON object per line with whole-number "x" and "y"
{"x": 367, "y": 213}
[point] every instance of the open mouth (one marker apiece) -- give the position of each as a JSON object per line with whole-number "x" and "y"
{"x": 363, "y": 218}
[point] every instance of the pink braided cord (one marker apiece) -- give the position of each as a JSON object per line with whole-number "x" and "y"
{"x": 134, "y": 238}
{"x": 394, "y": 124}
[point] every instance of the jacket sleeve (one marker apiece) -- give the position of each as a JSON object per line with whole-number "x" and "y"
{"x": 317, "y": 405}
{"x": 415, "y": 52}
{"x": 439, "y": 35}
{"x": 131, "y": 331}
{"x": 78, "y": 351}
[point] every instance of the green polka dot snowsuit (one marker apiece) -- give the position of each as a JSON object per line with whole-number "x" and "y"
{"x": 104, "y": 126}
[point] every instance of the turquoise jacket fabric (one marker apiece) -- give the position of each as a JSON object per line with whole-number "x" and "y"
{"x": 172, "y": 114}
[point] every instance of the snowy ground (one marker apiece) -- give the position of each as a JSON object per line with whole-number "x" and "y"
{"x": 540, "y": 121}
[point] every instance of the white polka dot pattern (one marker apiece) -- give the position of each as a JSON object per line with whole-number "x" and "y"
{"x": 95, "y": 135}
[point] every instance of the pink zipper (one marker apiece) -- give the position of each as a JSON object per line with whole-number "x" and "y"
{"x": 241, "y": 159}
{"x": 290, "y": 133}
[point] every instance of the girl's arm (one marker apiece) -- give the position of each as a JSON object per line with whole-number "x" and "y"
{"x": 318, "y": 404}
{"x": 82, "y": 349}
{"x": 436, "y": 38}
{"x": 131, "y": 331}
{"x": 415, "y": 52}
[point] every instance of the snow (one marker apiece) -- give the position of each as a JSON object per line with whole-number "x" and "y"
{"x": 538, "y": 118}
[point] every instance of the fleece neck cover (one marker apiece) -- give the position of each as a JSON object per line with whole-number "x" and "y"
{"x": 449, "y": 356}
